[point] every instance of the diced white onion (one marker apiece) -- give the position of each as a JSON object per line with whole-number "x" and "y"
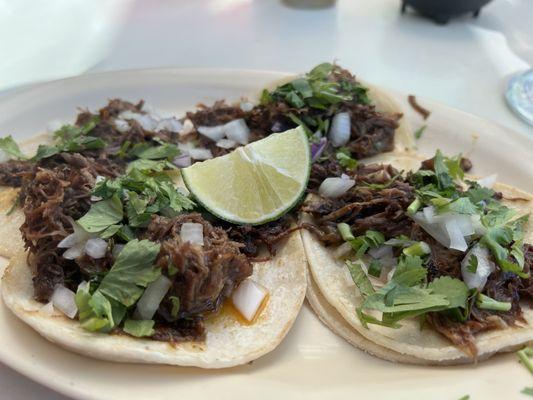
{"x": 169, "y": 124}
{"x": 151, "y": 298}
{"x": 74, "y": 252}
{"x": 485, "y": 267}
{"x": 122, "y": 125}
{"x": 238, "y": 131}
{"x": 335, "y": 187}
{"x": 48, "y": 308}
{"x": 200, "y": 154}
{"x": 457, "y": 240}
{"x": 69, "y": 240}
{"x": 246, "y": 106}
{"x": 248, "y": 297}
{"x": 488, "y": 181}
{"x": 429, "y": 213}
{"x": 383, "y": 251}
{"x": 340, "y": 130}
{"x": 187, "y": 127}
{"x": 4, "y": 157}
{"x": 226, "y": 143}
{"x": 95, "y": 198}
{"x": 96, "y": 248}
{"x": 192, "y": 232}
{"x": 146, "y": 121}
{"x": 182, "y": 161}
{"x": 63, "y": 300}
{"x": 215, "y": 133}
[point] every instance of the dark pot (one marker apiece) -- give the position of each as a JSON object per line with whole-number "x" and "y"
{"x": 442, "y": 10}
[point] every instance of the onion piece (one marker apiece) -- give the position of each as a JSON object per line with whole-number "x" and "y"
{"x": 340, "y": 130}
{"x": 318, "y": 148}
{"x": 383, "y": 251}
{"x": 192, "y": 232}
{"x": 187, "y": 127}
{"x": 457, "y": 240}
{"x": 485, "y": 267}
{"x": 182, "y": 161}
{"x": 215, "y": 133}
{"x": 63, "y": 299}
{"x": 74, "y": 252}
{"x": 246, "y": 106}
{"x": 335, "y": 187}
{"x": 169, "y": 124}
{"x": 248, "y": 297}
{"x": 488, "y": 181}
{"x": 96, "y": 248}
{"x": 238, "y": 131}
{"x": 152, "y": 297}
{"x": 121, "y": 125}
{"x": 200, "y": 154}
{"x": 226, "y": 143}
{"x": 4, "y": 157}
{"x": 146, "y": 121}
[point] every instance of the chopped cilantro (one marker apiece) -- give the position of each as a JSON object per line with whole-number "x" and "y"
{"x": 139, "y": 328}
{"x": 374, "y": 268}
{"x": 472, "y": 264}
{"x": 360, "y": 278}
{"x": 465, "y": 397}
{"x": 344, "y": 157}
{"x": 9, "y": 146}
{"x": 322, "y": 90}
{"x": 488, "y": 303}
{"x": 527, "y": 390}
{"x": 524, "y": 356}
{"x": 361, "y": 244}
{"x": 418, "y": 133}
{"x": 102, "y": 215}
{"x": 175, "y": 306}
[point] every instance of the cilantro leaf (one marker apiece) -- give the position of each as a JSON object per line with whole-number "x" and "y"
{"x": 472, "y": 264}
{"x": 374, "y": 268}
{"x": 524, "y": 356}
{"x": 360, "y": 278}
{"x": 102, "y": 215}
{"x": 148, "y": 151}
{"x": 9, "y": 146}
{"x": 344, "y": 157}
{"x": 418, "y": 133}
{"x": 455, "y": 290}
{"x": 139, "y": 328}
{"x": 462, "y": 205}
{"x": 175, "y": 306}
{"x": 528, "y": 391}
{"x": 132, "y": 271}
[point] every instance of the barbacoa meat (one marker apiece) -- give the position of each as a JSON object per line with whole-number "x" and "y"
{"x": 56, "y": 193}
{"x": 206, "y": 275}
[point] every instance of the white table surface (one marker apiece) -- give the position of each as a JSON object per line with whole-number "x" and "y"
{"x": 464, "y": 64}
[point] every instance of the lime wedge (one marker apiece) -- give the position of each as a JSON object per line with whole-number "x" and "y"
{"x": 256, "y": 183}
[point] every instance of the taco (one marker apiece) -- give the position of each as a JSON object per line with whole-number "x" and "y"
{"x": 420, "y": 263}
{"x": 102, "y": 222}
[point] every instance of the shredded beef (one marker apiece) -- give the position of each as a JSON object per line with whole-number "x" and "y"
{"x": 56, "y": 193}
{"x": 206, "y": 275}
{"x": 254, "y": 238}
{"x": 13, "y": 172}
{"x": 364, "y": 207}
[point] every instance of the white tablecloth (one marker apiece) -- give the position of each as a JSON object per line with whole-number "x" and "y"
{"x": 464, "y": 64}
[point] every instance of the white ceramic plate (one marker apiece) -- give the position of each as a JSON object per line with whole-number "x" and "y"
{"x": 311, "y": 362}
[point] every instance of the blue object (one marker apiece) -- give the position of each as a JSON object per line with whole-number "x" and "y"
{"x": 519, "y": 95}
